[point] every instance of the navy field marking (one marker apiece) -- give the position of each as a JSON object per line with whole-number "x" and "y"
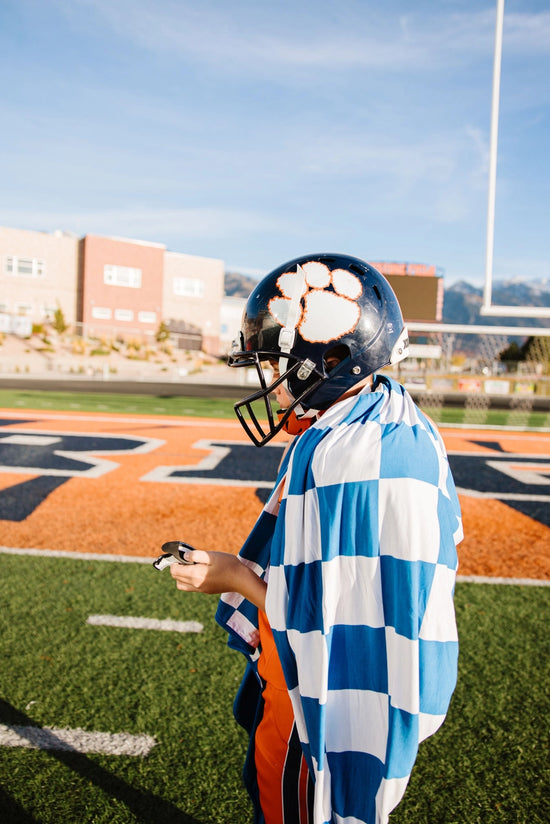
{"x": 53, "y": 458}
{"x": 229, "y": 463}
{"x": 521, "y": 481}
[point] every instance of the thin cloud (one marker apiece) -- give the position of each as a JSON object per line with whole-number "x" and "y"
{"x": 290, "y": 125}
{"x": 148, "y": 224}
{"x": 432, "y": 160}
{"x": 318, "y": 37}
{"x": 523, "y": 268}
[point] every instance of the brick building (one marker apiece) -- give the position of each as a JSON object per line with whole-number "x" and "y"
{"x": 117, "y": 287}
{"x": 38, "y": 273}
{"x": 193, "y": 292}
{"x": 109, "y": 286}
{"x": 122, "y": 284}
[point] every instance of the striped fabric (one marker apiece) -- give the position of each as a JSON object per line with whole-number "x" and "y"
{"x": 360, "y": 558}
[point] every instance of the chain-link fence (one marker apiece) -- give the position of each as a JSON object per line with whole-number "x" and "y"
{"x": 501, "y": 361}
{"x": 480, "y": 369}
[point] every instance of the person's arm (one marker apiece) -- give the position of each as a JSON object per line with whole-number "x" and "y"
{"x": 216, "y": 572}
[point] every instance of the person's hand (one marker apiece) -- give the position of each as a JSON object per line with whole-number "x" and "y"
{"x": 210, "y": 572}
{"x": 216, "y": 572}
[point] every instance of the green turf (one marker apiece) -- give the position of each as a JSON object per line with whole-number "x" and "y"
{"x": 105, "y": 402}
{"x": 59, "y": 671}
{"x": 223, "y": 408}
{"x": 489, "y": 762}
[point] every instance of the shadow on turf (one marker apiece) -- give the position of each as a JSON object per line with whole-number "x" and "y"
{"x": 12, "y": 812}
{"x": 146, "y": 806}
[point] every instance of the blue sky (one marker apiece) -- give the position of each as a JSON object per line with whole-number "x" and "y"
{"x": 256, "y": 131}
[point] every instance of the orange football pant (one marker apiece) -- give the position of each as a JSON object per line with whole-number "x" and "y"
{"x": 284, "y": 782}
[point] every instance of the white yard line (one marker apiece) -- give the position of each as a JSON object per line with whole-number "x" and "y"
{"x": 134, "y": 559}
{"x": 485, "y": 579}
{"x": 223, "y": 423}
{"x": 77, "y": 556}
{"x": 77, "y": 740}
{"x": 129, "y": 622}
{"x": 502, "y": 496}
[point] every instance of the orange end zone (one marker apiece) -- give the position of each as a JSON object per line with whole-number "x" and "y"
{"x": 118, "y": 511}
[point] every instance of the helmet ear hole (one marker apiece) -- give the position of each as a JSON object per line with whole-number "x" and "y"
{"x": 334, "y": 357}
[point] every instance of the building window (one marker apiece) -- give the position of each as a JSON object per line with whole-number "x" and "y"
{"x": 147, "y": 317}
{"x": 124, "y": 314}
{"x": 122, "y": 276}
{"x": 23, "y": 309}
{"x": 188, "y": 287}
{"x": 48, "y": 311}
{"x": 24, "y": 267}
{"x": 101, "y": 313}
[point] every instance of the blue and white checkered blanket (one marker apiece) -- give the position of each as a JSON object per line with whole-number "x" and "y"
{"x": 360, "y": 558}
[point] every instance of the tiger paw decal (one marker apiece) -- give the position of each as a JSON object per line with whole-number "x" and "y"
{"x": 328, "y": 301}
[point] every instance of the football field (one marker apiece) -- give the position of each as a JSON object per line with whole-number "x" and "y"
{"x": 116, "y": 689}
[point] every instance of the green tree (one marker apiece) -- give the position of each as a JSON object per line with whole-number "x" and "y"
{"x": 59, "y": 323}
{"x": 163, "y": 333}
{"x": 534, "y": 349}
{"x": 512, "y": 353}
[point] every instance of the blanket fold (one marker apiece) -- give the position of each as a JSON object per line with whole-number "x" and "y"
{"x": 360, "y": 557}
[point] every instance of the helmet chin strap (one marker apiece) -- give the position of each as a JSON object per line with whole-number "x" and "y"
{"x": 287, "y": 335}
{"x": 302, "y": 413}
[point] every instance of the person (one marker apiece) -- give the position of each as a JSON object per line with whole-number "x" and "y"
{"x": 341, "y": 598}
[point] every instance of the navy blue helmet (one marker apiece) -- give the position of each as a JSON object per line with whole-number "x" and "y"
{"x": 304, "y": 312}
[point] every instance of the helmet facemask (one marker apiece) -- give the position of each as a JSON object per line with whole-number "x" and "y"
{"x": 258, "y": 413}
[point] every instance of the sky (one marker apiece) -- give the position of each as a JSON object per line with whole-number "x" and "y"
{"x": 254, "y": 131}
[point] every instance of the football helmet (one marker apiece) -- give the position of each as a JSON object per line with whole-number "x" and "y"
{"x": 305, "y": 316}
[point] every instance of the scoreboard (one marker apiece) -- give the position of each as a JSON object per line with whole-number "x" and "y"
{"x": 421, "y": 298}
